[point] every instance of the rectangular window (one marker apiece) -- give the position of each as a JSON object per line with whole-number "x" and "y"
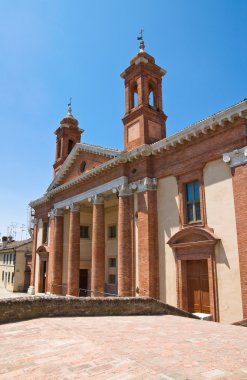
{"x": 84, "y": 232}
{"x": 12, "y": 278}
{"x": 14, "y": 257}
{"x": 8, "y": 276}
{"x": 193, "y": 202}
{"x": 112, "y": 231}
{"x": 2, "y": 275}
{"x": 10, "y": 258}
{"x": 4, "y": 258}
{"x": 45, "y": 233}
{"x": 7, "y": 258}
{"x": 112, "y": 262}
{"x": 112, "y": 279}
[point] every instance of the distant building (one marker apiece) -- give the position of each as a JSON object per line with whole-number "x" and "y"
{"x": 166, "y": 217}
{"x": 15, "y": 264}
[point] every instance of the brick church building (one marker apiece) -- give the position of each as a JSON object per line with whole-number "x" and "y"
{"x": 165, "y": 218}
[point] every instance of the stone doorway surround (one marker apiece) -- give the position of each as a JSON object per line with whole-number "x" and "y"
{"x": 195, "y": 243}
{"x": 43, "y": 260}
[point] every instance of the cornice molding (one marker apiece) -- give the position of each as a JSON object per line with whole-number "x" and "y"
{"x": 201, "y": 127}
{"x": 236, "y": 157}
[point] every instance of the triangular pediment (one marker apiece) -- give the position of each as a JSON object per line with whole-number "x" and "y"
{"x": 82, "y": 159}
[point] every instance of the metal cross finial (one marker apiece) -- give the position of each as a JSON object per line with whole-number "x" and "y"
{"x": 70, "y": 106}
{"x": 140, "y": 38}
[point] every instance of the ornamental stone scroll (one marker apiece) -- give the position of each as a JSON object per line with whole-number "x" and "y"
{"x": 236, "y": 157}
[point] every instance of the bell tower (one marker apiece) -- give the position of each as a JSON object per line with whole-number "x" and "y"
{"x": 68, "y": 134}
{"x": 144, "y": 119}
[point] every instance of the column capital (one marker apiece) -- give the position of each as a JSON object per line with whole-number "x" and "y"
{"x": 236, "y": 157}
{"x": 123, "y": 190}
{"x": 51, "y": 214}
{"x": 96, "y": 199}
{"x": 145, "y": 184}
{"x": 58, "y": 212}
{"x": 74, "y": 207}
{"x": 34, "y": 221}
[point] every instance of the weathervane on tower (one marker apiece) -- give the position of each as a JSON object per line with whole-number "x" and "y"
{"x": 140, "y": 38}
{"x": 70, "y": 107}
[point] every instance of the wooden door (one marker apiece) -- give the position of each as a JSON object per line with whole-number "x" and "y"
{"x": 44, "y": 277}
{"x": 198, "y": 286}
{"x": 83, "y": 278}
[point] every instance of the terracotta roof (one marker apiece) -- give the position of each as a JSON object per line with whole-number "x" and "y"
{"x": 15, "y": 244}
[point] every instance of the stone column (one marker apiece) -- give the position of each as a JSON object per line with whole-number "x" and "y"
{"x": 74, "y": 251}
{"x": 56, "y": 256}
{"x": 237, "y": 160}
{"x": 148, "y": 255}
{"x": 98, "y": 247}
{"x": 31, "y": 289}
{"x": 125, "y": 241}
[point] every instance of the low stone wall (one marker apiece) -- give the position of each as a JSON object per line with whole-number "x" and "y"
{"x": 242, "y": 323}
{"x": 17, "y": 309}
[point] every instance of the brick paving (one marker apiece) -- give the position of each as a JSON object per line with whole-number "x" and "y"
{"x": 120, "y": 348}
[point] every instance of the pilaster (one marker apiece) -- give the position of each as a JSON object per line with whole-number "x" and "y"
{"x": 237, "y": 160}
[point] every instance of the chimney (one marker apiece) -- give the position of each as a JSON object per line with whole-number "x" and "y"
{"x": 4, "y": 241}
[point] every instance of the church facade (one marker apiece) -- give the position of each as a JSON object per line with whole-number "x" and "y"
{"x": 164, "y": 218}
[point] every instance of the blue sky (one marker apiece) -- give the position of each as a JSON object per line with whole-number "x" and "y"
{"x": 53, "y": 49}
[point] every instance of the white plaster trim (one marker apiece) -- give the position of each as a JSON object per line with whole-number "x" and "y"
{"x": 90, "y": 193}
{"x": 236, "y": 157}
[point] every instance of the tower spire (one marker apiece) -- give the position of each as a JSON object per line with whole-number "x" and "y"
{"x": 70, "y": 107}
{"x": 140, "y": 38}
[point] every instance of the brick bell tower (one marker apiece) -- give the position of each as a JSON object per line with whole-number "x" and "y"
{"x": 144, "y": 119}
{"x": 68, "y": 134}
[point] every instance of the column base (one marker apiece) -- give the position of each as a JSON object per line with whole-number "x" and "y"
{"x": 31, "y": 290}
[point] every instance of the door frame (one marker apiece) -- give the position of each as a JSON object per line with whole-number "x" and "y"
{"x": 195, "y": 243}
{"x": 43, "y": 257}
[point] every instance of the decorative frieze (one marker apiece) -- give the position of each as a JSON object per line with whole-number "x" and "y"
{"x": 236, "y": 157}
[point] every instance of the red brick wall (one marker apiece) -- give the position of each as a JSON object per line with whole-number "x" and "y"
{"x": 148, "y": 244}
{"x": 240, "y": 199}
{"x": 125, "y": 270}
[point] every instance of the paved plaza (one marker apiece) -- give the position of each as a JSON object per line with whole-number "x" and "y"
{"x": 4, "y": 293}
{"x": 136, "y": 347}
